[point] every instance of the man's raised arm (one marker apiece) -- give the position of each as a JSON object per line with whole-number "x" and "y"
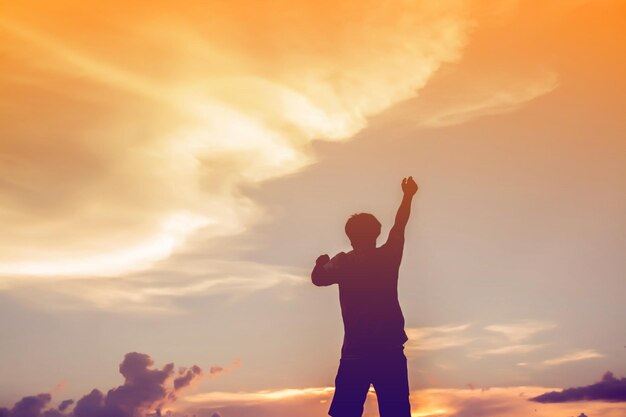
{"x": 396, "y": 234}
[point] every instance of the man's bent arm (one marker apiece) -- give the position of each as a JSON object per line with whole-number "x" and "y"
{"x": 325, "y": 272}
{"x": 320, "y": 277}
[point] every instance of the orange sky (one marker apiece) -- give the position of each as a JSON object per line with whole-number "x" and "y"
{"x": 175, "y": 169}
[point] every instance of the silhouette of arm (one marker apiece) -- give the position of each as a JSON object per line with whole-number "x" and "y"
{"x": 396, "y": 234}
{"x": 326, "y": 271}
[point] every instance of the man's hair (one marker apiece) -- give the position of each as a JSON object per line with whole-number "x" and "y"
{"x": 362, "y": 225}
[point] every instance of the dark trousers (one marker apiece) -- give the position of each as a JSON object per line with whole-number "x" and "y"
{"x": 386, "y": 371}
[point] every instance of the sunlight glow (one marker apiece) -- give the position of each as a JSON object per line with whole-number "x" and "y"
{"x": 216, "y": 398}
{"x": 181, "y": 118}
{"x": 173, "y": 230}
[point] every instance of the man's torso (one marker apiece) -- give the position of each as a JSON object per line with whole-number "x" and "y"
{"x": 368, "y": 292}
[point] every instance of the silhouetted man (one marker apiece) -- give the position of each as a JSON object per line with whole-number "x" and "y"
{"x": 374, "y": 337}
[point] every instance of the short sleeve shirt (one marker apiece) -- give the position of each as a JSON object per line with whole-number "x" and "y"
{"x": 368, "y": 293}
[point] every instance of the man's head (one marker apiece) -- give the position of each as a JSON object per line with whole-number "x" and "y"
{"x": 362, "y": 230}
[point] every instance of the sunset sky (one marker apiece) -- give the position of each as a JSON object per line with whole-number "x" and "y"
{"x": 170, "y": 171}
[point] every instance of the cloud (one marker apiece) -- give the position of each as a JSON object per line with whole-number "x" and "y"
{"x": 254, "y": 397}
{"x": 126, "y": 149}
{"x": 499, "y": 73}
{"x": 157, "y": 292}
{"x": 65, "y": 404}
{"x": 186, "y": 376}
{"x": 216, "y": 370}
{"x": 145, "y": 389}
{"x": 507, "y": 350}
{"x": 509, "y": 338}
{"x": 609, "y": 388}
{"x": 436, "y": 338}
{"x": 579, "y": 355}
{"x": 477, "y": 95}
{"x": 519, "y": 332}
{"x": 30, "y": 406}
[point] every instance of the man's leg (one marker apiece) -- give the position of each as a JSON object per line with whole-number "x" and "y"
{"x": 391, "y": 382}
{"x": 351, "y": 386}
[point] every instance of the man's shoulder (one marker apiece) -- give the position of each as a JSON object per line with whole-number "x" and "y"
{"x": 390, "y": 253}
{"x": 386, "y": 247}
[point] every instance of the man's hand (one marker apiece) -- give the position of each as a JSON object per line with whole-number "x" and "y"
{"x": 322, "y": 260}
{"x": 409, "y": 187}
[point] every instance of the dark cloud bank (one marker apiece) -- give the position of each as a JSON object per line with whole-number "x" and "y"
{"x": 144, "y": 392}
{"x": 608, "y": 389}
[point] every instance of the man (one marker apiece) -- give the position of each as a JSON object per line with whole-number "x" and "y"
{"x": 374, "y": 337}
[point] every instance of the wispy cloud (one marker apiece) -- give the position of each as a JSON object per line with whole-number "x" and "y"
{"x": 478, "y": 95}
{"x": 437, "y": 338}
{"x": 158, "y": 292}
{"x": 255, "y": 397}
{"x": 507, "y": 350}
{"x": 579, "y": 355}
{"x": 520, "y": 331}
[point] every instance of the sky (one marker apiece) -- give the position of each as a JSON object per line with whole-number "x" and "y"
{"x": 170, "y": 172}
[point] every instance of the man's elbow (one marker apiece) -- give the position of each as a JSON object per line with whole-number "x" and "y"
{"x": 318, "y": 280}
{"x": 319, "y": 283}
